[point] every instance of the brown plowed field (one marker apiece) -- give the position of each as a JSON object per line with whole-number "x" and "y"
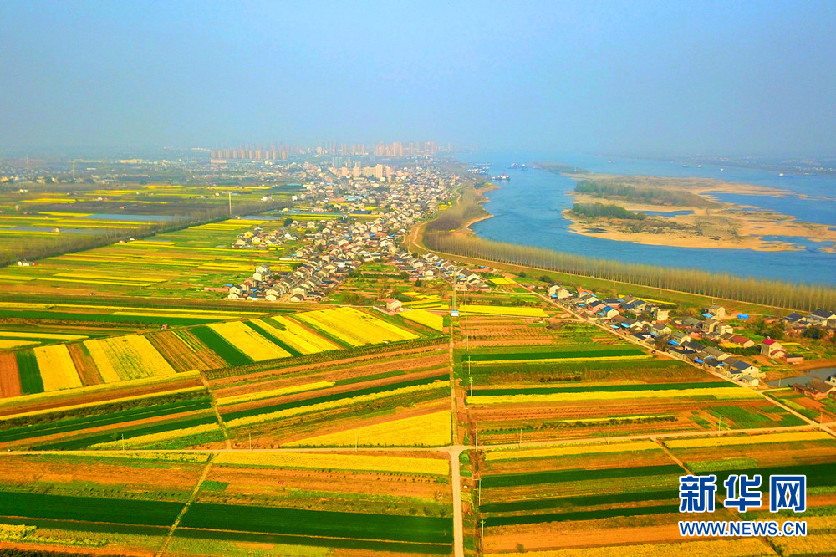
{"x": 390, "y": 358}
{"x": 262, "y": 483}
{"x": 9, "y": 378}
{"x": 84, "y": 365}
{"x": 338, "y": 372}
{"x": 37, "y": 472}
{"x": 180, "y": 355}
{"x": 113, "y": 392}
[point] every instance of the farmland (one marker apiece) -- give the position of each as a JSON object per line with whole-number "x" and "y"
{"x": 177, "y": 264}
{"x": 143, "y": 413}
{"x": 570, "y": 381}
{"x": 290, "y": 504}
{"x": 622, "y": 497}
{"x": 398, "y": 396}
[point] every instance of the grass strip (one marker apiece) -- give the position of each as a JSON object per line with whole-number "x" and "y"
{"x": 303, "y": 522}
{"x": 604, "y": 388}
{"x": 115, "y": 435}
{"x": 580, "y": 515}
{"x": 30, "y": 376}
{"x": 577, "y": 474}
{"x": 221, "y": 346}
{"x": 585, "y": 500}
{"x": 73, "y": 424}
{"x": 271, "y": 338}
{"x": 94, "y": 509}
{"x": 333, "y": 397}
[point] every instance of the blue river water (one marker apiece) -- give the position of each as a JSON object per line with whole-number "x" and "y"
{"x": 528, "y": 211}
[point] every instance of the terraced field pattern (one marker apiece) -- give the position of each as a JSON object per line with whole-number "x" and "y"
{"x": 214, "y": 428}
{"x": 524, "y": 381}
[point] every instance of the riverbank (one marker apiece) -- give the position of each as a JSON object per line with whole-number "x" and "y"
{"x": 698, "y": 221}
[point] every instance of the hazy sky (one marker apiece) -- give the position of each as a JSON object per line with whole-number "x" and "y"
{"x": 684, "y": 76}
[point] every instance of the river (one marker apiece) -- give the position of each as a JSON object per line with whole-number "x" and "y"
{"x": 528, "y": 210}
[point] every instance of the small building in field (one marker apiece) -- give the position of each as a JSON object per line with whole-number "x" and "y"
{"x": 815, "y": 389}
{"x": 393, "y": 305}
{"x": 770, "y": 347}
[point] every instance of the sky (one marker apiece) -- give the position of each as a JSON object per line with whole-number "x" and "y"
{"x": 684, "y": 77}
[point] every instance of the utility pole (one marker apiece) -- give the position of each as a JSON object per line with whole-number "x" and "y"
{"x": 251, "y": 441}
{"x": 229, "y": 193}
{"x": 480, "y": 492}
{"x": 123, "y": 442}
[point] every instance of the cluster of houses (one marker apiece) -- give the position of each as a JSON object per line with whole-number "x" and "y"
{"x": 328, "y": 250}
{"x": 430, "y": 266}
{"x": 822, "y": 318}
{"x": 650, "y": 324}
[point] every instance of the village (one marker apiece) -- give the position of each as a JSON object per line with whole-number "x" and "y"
{"x": 344, "y": 234}
{"x": 708, "y": 341}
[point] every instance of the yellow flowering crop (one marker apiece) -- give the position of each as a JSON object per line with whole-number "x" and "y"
{"x": 354, "y": 326}
{"x": 720, "y": 393}
{"x": 333, "y": 404}
{"x": 57, "y": 367}
{"x": 503, "y": 310}
{"x": 227, "y": 400}
{"x": 127, "y": 357}
{"x": 249, "y": 341}
{"x": 424, "y": 317}
{"x": 154, "y": 437}
{"x": 319, "y": 461}
{"x": 428, "y": 430}
{"x": 786, "y": 437}
{"x": 296, "y": 336}
{"x": 568, "y": 450}
{"x": 17, "y": 343}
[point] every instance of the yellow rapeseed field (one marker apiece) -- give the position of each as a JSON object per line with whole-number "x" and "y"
{"x": 56, "y": 367}
{"x": 227, "y": 400}
{"x": 428, "y": 430}
{"x": 514, "y": 454}
{"x": 787, "y": 437}
{"x": 355, "y": 327}
{"x": 333, "y": 404}
{"x": 127, "y": 357}
{"x": 296, "y": 336}
{"x": 249, "y": 342}
{"x": 502, "y": 310}
{"x": 424, "y": 317}
{"x": 50, "y": 336}
{"x": 324, "y": 461}
{"x": 19, "y": 343}
{"x": 156, "y": 437}
{"x": 721, "y": 393}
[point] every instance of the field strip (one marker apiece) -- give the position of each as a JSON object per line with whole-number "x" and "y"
{"x": 672, "y": 456}
{"x": 188, "y": 504}
{"x": 456, "y": 483}
{"x": 762, "y": 394}
{"x": 214, "y": 403}
{"x": 439, "y": 448}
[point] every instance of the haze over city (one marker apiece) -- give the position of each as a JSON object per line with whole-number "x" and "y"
{"x": 635, "y": 78}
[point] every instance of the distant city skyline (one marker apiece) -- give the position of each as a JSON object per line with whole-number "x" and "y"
{"x": 628, "y": 77}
